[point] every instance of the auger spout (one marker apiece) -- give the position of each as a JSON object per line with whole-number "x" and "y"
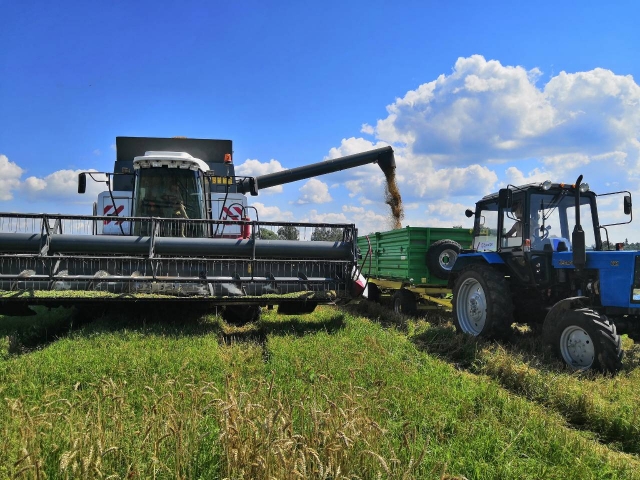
{"x": 382, "y": 156}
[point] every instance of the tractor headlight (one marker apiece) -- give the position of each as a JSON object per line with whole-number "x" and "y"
{"x": 584, "y": 187}
{"x": 546, "y": 185}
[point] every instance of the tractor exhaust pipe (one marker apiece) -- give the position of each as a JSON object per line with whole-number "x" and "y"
{"x": 577, "y": 237}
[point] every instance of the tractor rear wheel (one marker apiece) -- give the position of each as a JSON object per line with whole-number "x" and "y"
{"x": 585, "y": 340}
{"x": 404, "y": 302}
{"x": 482, "y": 304}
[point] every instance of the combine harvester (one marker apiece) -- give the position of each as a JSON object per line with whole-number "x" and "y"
{"x": 174, "y": 226}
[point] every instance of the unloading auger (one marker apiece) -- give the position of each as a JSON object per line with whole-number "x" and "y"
{"x": 174, "y": 226}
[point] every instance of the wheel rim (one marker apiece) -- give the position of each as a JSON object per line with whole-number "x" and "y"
{"x": 447, "y": 258}
{"x": 576, "y": 347}
{"x": 397, "y": 305}
{"x": 471, "y": 307}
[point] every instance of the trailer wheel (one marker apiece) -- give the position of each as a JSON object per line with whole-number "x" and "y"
{"x": 482, "y": 304}
{"x": 240, "y": 315}
{"x": 585, "y": 340}
{"x": 441, "y": 256}
{"x": 404, "y": 302}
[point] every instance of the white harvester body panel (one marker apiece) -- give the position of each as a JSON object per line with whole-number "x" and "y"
{"x": 232, "y": 209}
{"x": 123, "y": 202}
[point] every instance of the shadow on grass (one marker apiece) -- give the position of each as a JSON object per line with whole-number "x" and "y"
{"x": 20, "y": 335}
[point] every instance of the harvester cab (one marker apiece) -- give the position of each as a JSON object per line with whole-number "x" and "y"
{"x": 538, "y": 257}
{"x": 193, "y": 179}
{"x": 174, "y": 225}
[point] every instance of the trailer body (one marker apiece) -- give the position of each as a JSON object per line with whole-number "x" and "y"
{"x": 411, "y": 265}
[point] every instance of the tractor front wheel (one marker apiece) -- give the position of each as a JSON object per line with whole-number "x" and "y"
{"x": 585, "y": 340}
{"x": 482, "y": 304}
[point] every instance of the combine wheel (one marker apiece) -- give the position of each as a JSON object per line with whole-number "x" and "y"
{"x": 482, "y": 303}
{"x": 374, "y": 293}
{"x": 404, "y": 302}
{"x": 241, "y": 314}
{"x": 584, "y": 339}
{"x": 441, "y": 256}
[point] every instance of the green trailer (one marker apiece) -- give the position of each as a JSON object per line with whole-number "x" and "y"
{"x": 411, "y": 265}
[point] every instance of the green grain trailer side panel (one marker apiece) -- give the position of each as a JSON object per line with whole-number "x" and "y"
{"x": 402, "y": 254}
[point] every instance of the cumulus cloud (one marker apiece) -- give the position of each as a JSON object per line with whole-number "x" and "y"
{"x": 314, "y": 191}
{"x": 487, "y": 113}
{"x": 485, "y": 125}
{"x": 62, "y": 185}
{"x": 255, "y": 168}
{"x": 272, "y": 213}
{"x": 316, "y": 217}
{"x": 351, "y": 146}
{"x": 10, "y": 174}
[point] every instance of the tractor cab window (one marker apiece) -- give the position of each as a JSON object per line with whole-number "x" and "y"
{"x": 553, "y": 219}
{"x": 513, "y": 222}
{"x": 586, "y": 220}
{"x": 485, "y": 237}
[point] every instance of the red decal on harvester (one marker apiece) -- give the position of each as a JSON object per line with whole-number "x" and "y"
{"x": 108, "y": 208}
{"x": 230, "y": 215}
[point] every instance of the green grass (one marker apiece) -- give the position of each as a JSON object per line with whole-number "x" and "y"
{"x": 326, "y": 395}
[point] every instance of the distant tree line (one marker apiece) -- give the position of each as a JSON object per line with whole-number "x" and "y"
{"x": 292, "y": 233}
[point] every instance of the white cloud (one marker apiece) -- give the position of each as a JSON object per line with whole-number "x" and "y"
{"x": 351, "y": 146}
{"x": 474, "y": 180}
{"x": 487, "y": 113}
{"x": 272, "y": 213}
{"x": 255, "y": 168}
{"x": 314, "y": 191}
{"x": 445, "y": 209}
{"x": 368, "y": 129}
{"x": 10, "y": 174}
{"x": 515, "y": 177}
{"x": 315, "y": 217}
{"x": 62, "y": 185}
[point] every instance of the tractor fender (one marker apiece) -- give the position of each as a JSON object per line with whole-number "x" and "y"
{"x": 466, "y": 259}
{"x": 556, "y": 313}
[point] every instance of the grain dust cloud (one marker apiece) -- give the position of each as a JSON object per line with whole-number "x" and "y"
{"x": 393, "y": 199}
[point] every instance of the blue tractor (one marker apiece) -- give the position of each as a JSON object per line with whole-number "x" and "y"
{"x": 538, "y": 257}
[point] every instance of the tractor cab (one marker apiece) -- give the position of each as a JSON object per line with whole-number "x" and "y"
{"x": 533, "y": 219}
{"x": 525, "y": 225}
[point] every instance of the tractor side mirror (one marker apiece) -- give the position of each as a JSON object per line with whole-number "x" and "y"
{"x": 469, "y": 213}
{"x": 505, "y": 198}
{"x": 82, "y": 182}
{"x": 627, "y": 204}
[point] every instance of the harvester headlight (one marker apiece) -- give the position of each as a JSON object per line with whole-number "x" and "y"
{"x": 546, "y": 185}
{"x": 584, "y": 187}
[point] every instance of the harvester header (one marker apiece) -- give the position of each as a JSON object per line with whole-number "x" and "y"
{"x": 174, "y": 223}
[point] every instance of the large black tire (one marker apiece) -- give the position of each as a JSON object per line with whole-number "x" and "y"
{"x": 374, "y": 293}
{"x": 404, "y": 302}
{"x": 585, "y": 339}
{"x": 482, "y": 304}
{"x": 241, "y": 314}
{"x": 441, "y": 256}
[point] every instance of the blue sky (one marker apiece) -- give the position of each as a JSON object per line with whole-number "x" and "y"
{"x": 471, "y": 95}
